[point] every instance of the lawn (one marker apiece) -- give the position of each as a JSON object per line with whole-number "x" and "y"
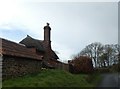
{"x": 53, "y": 78}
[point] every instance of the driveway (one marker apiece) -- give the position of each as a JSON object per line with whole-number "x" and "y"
{"x": 111, "y": 80}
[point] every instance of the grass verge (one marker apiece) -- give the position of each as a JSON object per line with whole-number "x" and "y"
{"x": 54, "y": 78}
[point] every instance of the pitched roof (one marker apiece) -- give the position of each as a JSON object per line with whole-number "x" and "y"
{"x": 31, "y": 42}
{"x": 19, "y": 50}
{"x": 38, "y": 44}
{"x": 54, "y": 55}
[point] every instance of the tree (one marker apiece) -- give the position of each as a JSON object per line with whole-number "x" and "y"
{"x": 102, "y": 59}
{"x": 110, "y": 51}
{"x": 93, "y": 50}
{"x": 101, "y": 55}
{"x": 117, "y": 52}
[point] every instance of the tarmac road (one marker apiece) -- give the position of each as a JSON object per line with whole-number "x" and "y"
{"x": 110, "y": 80}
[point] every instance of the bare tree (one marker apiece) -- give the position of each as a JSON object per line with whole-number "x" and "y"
{"x": 102, "y": 59}
{"x": 112, "y": 52}
{"x": 117, "y": 53}
{"x": 93, "y": 50}
{"x": 101, "y": 55}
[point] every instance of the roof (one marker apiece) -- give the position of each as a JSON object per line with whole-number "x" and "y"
{"x": 38, "y": 44}
{"x": 31, "y": 42}
{"x": 54, "y": 55}
{"x": 15, "y": 49}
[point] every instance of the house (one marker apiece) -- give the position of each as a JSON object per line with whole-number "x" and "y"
{"x": 27, "y": 56}
{"x": 17, "y": 60}
{"x": 42, "y": 47}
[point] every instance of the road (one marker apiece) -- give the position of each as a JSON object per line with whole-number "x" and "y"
{"x": 111, "y": 80}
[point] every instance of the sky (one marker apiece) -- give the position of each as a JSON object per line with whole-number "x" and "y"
{"x": 74, "y": 24}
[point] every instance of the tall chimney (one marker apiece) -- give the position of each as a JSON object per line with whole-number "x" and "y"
{"x": 47, "y": 41}
{"x": 47, "y": 35}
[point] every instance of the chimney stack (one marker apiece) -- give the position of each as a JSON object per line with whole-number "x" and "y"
{"x": 47, "y": 35}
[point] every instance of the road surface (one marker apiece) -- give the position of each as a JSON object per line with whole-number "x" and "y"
{"x": 111, "y": 80}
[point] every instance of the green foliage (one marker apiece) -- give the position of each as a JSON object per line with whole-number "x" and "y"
{"x": 51, "y": 78}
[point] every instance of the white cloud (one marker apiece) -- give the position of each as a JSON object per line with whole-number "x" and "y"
{"x": 8, "y": 10}
{"x": 12, "y": 27}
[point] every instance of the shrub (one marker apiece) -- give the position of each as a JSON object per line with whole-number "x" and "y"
{"x": 81, "y": 64}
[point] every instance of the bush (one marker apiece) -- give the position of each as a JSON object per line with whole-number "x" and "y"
{"x": 81, "y": 64}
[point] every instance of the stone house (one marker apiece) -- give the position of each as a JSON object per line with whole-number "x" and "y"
{"x": 27, "y": 56}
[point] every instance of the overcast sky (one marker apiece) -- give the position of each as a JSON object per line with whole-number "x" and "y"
{"x": 74, "y": 24}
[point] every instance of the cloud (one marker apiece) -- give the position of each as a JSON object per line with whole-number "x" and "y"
{"x": 64, "y": 51}
{"x": 12, "y": 26}
{"x": 12, "y": 33}
{"x": 74, "y": 25}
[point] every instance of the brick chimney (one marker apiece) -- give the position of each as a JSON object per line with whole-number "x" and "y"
{"x": 47, "y": 42}
{"x": 47, "y": 36}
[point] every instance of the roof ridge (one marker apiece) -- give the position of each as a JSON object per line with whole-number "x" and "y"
{"x": 12, "y": 41}
{"x": 29, "y": 36}
{"x": 33, "y": 38}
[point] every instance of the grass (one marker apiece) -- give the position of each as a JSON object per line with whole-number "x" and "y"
{"x": 53, "y": 78}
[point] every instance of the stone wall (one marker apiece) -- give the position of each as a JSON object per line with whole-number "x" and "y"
{"x": 15, "y": 66}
